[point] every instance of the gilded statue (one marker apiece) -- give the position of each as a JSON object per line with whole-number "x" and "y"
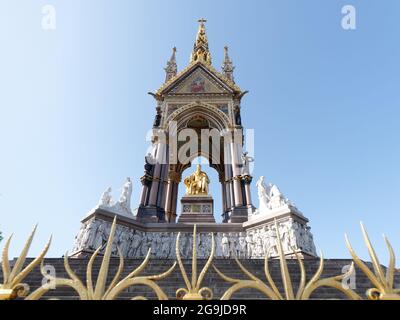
{"x": 197, "y": 182}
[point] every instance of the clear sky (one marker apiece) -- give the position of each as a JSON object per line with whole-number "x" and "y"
{"x": 324, "y": 104}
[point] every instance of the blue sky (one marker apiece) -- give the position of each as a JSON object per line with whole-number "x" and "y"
{"x": 324, "y": 104}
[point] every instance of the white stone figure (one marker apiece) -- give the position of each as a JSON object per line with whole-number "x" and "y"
{"x": 136, "y": 242}
{"x": 273, "y": 241}
{"x": 242, "y": 245}
{"x": 263, "y": 195}
{"x": 123, "y": 205}
{"x": 266, "y": 240}
{"x": 125, "y": 198}
{"x": 293, "y": 230}
{"x": 130, "y": 233}
{"x": 106, "y": 199}
{"x": 276, "y": 197}
{"x": 259, "y": 244}
{"x": 146, "y": 244}
{"x": 233, "y": 245}
{"x": 225, "y": 245}
{"x": 246, "y": 163}
{"x": 185, "y": 245}
{"x": 249, "y": 241}
{"x": 124, "y": 242}
{"x": 99, "y": 236}
{"x": 165, "y": 245}
{"x": 116, "y": 241}
{"x": 218, "y": 247}
{"x": 78, "y": 245}
{"x": 284, "y": 233}
{"x": 89, "y": 235}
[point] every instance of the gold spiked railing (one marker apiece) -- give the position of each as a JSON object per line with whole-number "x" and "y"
{"x": 13, "y": 286}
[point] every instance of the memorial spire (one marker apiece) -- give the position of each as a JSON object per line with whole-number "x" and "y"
{"x": 227, "y": 66}
{"x": 171, "y": 68}
{"x": 200, "y": 49}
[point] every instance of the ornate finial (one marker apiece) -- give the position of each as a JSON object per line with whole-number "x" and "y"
{"x": 227, "y": 66}
{"x": 200, "y": 48}
{"x": 171, "y": 68}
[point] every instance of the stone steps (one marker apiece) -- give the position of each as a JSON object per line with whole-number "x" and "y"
{"x": 174, "y": 281}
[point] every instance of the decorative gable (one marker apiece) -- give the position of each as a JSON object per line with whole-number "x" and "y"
{"x": 199, "y": 82}
{"x": 198, "y": 79}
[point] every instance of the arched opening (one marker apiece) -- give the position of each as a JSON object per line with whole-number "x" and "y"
{"x": 214, "y": 186}
{"x": 163, "y": 186}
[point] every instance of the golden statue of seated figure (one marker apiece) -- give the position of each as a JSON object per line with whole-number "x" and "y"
{"x": 197, "y": 182}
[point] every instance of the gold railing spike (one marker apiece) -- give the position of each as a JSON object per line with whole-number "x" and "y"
{"x": 12, "y": 286}
{"x": 287, "y": 282}
{"x": 271, "y": 291}
{"x": 383, "y": 284}
{"x": 100, "y": 292}
{"x": 193, "y": 290}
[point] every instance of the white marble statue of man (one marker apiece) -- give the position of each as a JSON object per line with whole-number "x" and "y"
{"x": 125, "y": 198}
{"x": 284, "y": 233}
{"x": 232, "y": 244}
{"x": 89, "y": 234}
{"x": 249, "y": 241}
{"x": 218, "y": 247}
{"x": 259, "y": 244}
{"x": 136, "y": 242}
{"x": 165, "y": 245}
{"x": 246, "y": 163}
{"x": 124, "y": 242}
{"x": 105, "y": 199}
{"x": 98, "y": 238}
{"x": 273, "y": 241}
{"x": 263, "y": 195}
{"x": 266, "y": 240}
{"x": 225, "y": 245}
{"x": 242, "y": 245}
{"x": 293, "y": 231}
{"x": 185, "y": 245}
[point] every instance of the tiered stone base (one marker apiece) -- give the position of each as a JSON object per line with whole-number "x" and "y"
{"x": 252, "y": 239}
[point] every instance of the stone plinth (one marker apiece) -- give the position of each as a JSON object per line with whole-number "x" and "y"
{"x": 252, "y": 239}
{"x": 197, "y": 209}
